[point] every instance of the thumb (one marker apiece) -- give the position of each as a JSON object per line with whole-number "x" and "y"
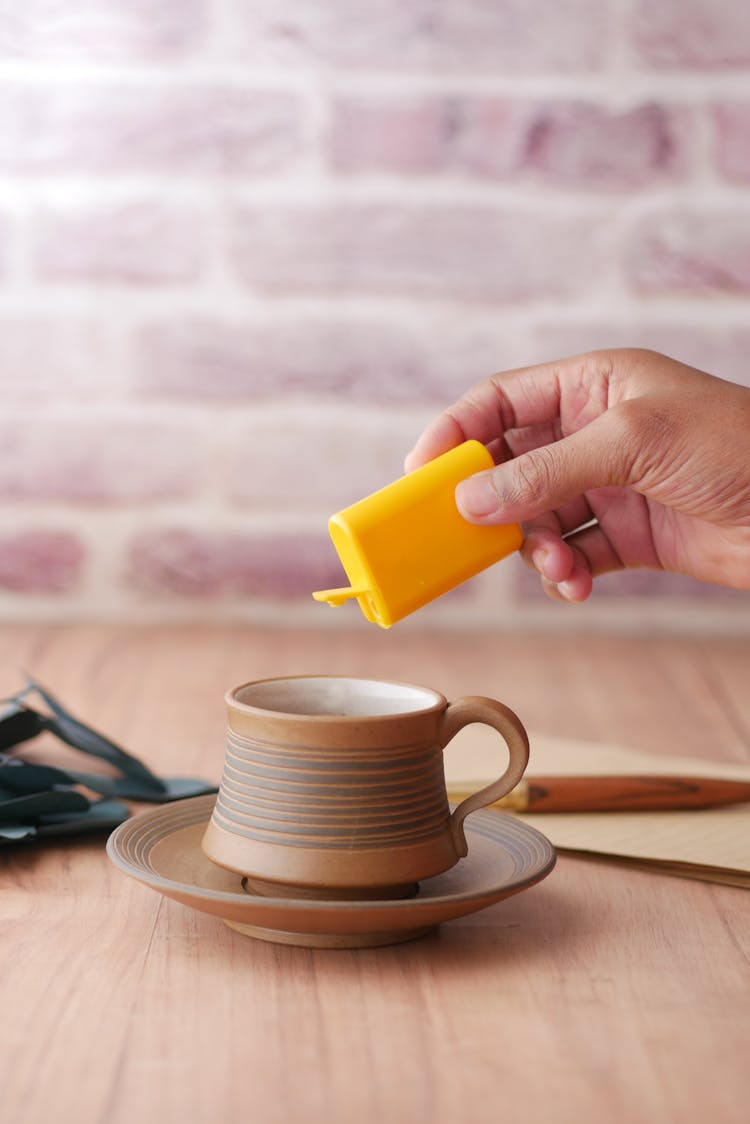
{"x": 547, "y": 477}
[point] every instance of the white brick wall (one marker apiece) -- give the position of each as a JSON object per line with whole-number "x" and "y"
{"x": 247, "y": 251}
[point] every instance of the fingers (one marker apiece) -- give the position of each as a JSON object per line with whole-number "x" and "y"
{"x": 506, "y": 401}
{"x": 567, "y": 393}
{"x": 477, "y": 415}
{"x": 440, "y": 436}
{"x": 545, "y": 551}
{"x": 575, "y": 589}
{"x": 564, "y": 570}
{"x": 548, "y": 478}
{"x": 567, "y": 567}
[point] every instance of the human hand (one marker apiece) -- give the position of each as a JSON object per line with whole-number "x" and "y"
{"x": 610, "y": 460}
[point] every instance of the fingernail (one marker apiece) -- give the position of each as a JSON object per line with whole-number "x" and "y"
{"x": 565, "y": 589}
{"x": 476, "y": 497}
{"x": 539, "y": 560}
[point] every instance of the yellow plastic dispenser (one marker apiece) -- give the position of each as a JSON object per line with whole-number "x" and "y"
{"x": 408, "y": 543}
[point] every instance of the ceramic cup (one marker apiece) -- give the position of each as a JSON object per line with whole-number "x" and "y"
{"x": 334, "y": 786}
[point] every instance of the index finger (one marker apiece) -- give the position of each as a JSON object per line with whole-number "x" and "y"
{"x": 526, "y": 396}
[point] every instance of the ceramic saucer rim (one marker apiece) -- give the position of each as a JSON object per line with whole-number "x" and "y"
{"x": 160, "y": 883}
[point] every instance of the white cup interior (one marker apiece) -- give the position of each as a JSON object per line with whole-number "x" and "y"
{"x": 336, "y": 696}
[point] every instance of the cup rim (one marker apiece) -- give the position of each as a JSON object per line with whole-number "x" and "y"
{"x": 440, "y": 701}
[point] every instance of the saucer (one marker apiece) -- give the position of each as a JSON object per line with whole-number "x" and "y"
{"x": 162, "y": 848}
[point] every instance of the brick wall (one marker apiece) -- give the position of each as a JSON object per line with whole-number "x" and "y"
{"x": 248, "y": 249}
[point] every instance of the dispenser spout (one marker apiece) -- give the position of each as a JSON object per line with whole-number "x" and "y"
{"x": 338, "y": 596}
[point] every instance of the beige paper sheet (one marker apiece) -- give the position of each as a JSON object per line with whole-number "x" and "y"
{"x": 711, "y": 844}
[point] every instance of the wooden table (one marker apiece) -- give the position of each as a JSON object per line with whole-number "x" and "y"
{"x": 604, "y": 994}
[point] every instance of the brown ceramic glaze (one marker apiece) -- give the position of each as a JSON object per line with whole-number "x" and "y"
{"x": 334, "y": 786}
{"x": 162, "y": 849}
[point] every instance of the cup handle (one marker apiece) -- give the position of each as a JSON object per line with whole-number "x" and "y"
{"x": 477, "y": 708}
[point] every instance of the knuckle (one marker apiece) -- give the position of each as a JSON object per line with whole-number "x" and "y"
{"x": 598, "y": 366}
{"x": 643, "y": 432}
{"x": 534, "y": 473}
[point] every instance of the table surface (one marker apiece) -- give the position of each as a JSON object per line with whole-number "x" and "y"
{"x": 603, "y": 993}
